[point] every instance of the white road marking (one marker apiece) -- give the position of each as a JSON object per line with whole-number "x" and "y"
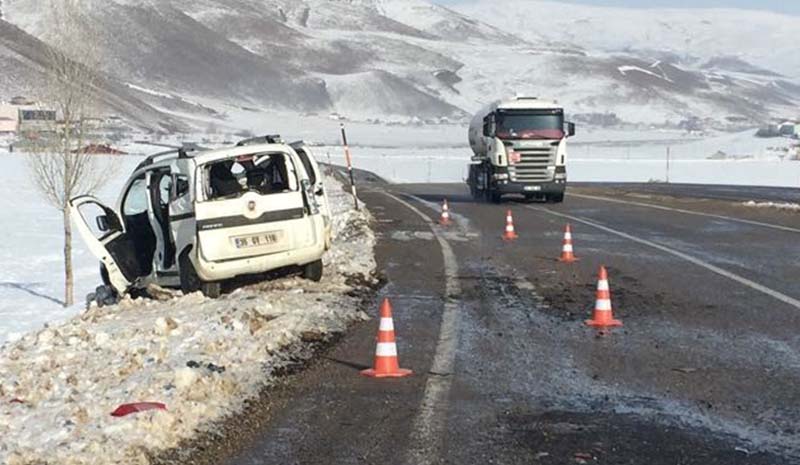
{"x": 428, "y": 427}
{"x": 689, "y": 212}
{"x": 742, "y": 280}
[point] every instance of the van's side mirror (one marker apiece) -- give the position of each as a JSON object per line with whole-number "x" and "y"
{"x": 570, "y": 129}
{"x": 320, "y": 191}
{"x": 102, "y": 223}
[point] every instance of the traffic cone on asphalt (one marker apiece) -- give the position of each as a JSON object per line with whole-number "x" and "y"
{"x": 603, "y": 315}
{"x": 567, "y": 253}
{"x": 386, "y": 364}
{"x": 510, "y": 234}
{"x": 445, "y": 218}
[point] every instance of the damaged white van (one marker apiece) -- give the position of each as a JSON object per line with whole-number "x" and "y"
{"x": 192, "y": 218}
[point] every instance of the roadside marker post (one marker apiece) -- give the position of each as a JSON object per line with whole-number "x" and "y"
{"x": 349, "y": 166}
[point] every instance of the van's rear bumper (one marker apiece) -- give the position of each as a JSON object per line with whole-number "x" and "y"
{"x": 221, "y": 270}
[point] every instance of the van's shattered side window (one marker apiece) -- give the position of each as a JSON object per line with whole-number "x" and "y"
{"x": 262, "y": 173}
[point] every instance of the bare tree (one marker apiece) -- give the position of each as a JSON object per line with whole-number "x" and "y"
{"x": 58, "y": 163}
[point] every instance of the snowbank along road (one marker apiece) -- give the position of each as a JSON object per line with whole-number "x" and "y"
{"x": 703, "y": 372}
{"x": 201, "y": 358}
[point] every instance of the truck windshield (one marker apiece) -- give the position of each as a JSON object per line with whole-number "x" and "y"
{"x": 530, "y": 125}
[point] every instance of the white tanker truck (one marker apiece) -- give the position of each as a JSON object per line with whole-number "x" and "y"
{"x": 520, "y": 147}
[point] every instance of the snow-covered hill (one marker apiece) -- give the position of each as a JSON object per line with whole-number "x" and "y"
{"x": 23, "y": 60}
{"x": 399, "y": 59}
{"x": 765, "y": 39}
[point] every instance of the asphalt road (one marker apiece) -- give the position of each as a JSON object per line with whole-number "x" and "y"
{"x": 705, "y": 370}
{"x": 720, "y": 192}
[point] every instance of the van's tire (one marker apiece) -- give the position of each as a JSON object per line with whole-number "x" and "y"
{"x": 190, "y": 282}
{"x": 313, "y": 271}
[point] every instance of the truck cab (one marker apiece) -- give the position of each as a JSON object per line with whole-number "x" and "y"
{"x": 520, "y": 147}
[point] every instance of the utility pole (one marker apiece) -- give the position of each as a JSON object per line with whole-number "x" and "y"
{"x": 668, "y": 154}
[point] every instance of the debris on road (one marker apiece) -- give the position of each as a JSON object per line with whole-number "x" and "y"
{"x": 127, "y": 409}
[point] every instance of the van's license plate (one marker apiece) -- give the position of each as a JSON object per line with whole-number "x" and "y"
{"x": 533, "y": 188}
{"x": 255, "y": 240}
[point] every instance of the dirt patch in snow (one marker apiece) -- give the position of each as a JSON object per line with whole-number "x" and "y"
{"x": 208, "y": 360}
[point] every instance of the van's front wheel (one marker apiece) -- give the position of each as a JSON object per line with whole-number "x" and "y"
{"x": 313, "y": 271}
{"x": 190, "y": 282}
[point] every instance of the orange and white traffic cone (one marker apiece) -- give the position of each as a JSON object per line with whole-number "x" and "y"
{"x": 444, "y": 220}
{"x": 567, "y": 252}
{"x": 510, "y": 234}
{"x": 603, "y": 315}
{"x": 386, "y": 363}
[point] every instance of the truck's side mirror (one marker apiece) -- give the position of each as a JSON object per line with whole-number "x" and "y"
{"x": 102, "y": 223}
{"x": 488, "y": 126}
{"x": 570, "y": 129}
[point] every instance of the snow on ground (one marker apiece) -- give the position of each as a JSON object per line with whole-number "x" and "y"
{"x": 775, "y": 205}
{"x": 450, "y": 165}
{"x": 31, "y": 256}
{"x": 199, "y": 356}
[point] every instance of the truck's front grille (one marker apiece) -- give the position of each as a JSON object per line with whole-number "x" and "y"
{"x": 533, "y": 164}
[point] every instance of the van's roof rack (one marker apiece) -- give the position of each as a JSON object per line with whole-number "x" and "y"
{"x": 268, "y": 139}
{"x": 183, "y": 152}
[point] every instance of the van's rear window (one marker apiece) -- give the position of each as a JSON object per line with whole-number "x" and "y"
{"x": 262, "y": 173}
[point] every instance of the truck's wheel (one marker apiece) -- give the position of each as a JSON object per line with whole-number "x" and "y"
{"x": 555, "y": 198}
{"x": 313, "y": 271}
{"x": 474, "y": 192}
{"x": 190, "y": 282}
{"x": 495, "y": 197}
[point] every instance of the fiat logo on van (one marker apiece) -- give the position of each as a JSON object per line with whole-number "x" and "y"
{"x": 251, "y": 205}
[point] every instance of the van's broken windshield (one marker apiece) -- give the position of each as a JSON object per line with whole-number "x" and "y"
{"x": 261, "y": 173}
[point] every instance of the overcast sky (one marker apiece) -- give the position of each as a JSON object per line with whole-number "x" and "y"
{"x": 784, "y": 6}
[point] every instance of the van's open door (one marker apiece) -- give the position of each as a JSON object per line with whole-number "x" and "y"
{"x": 104, "y": 235}
{"x": 316, "y": 177}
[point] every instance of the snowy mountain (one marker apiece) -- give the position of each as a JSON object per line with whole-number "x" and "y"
{"x": 398, "y": 59}
{"x": 23, "y": 61}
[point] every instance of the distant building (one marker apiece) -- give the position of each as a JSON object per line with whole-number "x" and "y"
{"x": 9, "y": 119}
{"x": 34, "y": 120}
{"x": 8, "y": 126}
